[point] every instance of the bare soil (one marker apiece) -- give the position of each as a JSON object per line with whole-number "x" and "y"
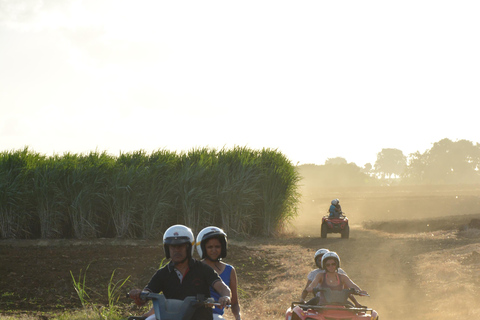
{"x": 413, "y": 267}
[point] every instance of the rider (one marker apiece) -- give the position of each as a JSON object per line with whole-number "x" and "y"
{"x": 335, "y": 209}
{"x": 317, "y": 258}
{"x": 331, "y": 278}
{"x": 183, "y": 276}
{"x": 311, "y": 276}
{"x": 212, "y": 248}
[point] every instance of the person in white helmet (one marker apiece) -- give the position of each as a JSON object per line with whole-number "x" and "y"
{"x": 183, "y": 276}
{"x": 311, "y": 276}
{"x": 212, "y": 248}
{"x": 331, "y": 278}
{"x": 335, "y": 209}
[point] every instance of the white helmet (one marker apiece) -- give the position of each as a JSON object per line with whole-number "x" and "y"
{"x": 335, "y": 202}
{"x": 178, "y": 234}
{"x": 320, "y": 252}
{"x": 330, "y": 255}
{"x": 209, "y": 233}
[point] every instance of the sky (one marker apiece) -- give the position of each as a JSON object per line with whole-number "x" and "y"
{"x": 313, "y": 79}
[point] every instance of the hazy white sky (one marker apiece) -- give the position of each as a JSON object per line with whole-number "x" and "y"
{"x": 313, "y": 79}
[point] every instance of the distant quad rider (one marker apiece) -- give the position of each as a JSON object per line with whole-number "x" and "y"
{"x": 335, "y": 209}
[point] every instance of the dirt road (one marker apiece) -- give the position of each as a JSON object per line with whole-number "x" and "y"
{"x": 408, "y": 276}
{"x": 420, "y": 276}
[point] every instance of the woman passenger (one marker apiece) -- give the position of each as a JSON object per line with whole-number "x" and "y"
{"x": 331, "y": 278}
{"x": 212, "y": 248}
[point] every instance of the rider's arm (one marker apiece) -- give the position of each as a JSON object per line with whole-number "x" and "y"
{"x": 135, "y": 295}
{"x": 354, "y": 300}
{"x": 318, "y": 279}
{"x": 149, "y": 313}
{"x": 224, "y": 292}
{"x": 352, "y": 297}
{"x": 305, "y": 292}
{"x": 233, "y": 289}
{"x": 350, "y": 284}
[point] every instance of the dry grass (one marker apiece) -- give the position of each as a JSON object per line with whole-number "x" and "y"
{"x": 286, "y": 285}
{"x": 452, "y": 283}
{"x": 470, "y": 233}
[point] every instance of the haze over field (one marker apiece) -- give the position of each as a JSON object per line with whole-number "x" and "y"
{"x": 315, "y": 80}
{"x": 404, "y": 203}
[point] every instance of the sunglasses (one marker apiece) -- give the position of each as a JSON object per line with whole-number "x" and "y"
{"x": 330, "y": 264}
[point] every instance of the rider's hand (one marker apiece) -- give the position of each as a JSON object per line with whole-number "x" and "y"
{"x": 224, "y": 301}
{"x": 135, "y": 295}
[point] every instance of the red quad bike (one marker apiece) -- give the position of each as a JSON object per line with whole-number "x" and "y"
{"x": 336, "y": 308}
{"x": 172, "y": 309}
{"x": 335, "y": 225}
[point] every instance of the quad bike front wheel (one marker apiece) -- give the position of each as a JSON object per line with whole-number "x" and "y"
{"x": 324, "y": 231}
{"x": 346, "y": 232}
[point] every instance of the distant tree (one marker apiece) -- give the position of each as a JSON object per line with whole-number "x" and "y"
{"x": 390, "y": 162}
{"x": 415, "y": 171}
{"x": 447, "y": 162}
{"x": 367, "y": 168}
{"x": 337, "y": 160}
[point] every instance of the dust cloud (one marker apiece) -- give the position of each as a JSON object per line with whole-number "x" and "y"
{"x": 408, "y": 274}
{"x": 363, "y": 204}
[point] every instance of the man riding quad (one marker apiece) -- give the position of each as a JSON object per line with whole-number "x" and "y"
{"x": 183, "y": 276}
{"x": 335, "y": 209}
{"x": 335, "y": 222}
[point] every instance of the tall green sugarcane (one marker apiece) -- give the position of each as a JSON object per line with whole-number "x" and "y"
{"x": 123, "y": 196}
{"x": 237, "y": 189}
{"x": 15, "y": 212}
{"x": 279, "y": 193}
{"x": 194, "y": 196}
{"x": 242, "y": 190}
{"x": 157, "y": 204}
{"x": 84, "y": 182}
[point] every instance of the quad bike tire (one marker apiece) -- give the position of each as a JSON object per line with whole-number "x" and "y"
{"x": 346, "y": 232}
{"x": 324, "y": 231}
{"x": 295, "y": 317}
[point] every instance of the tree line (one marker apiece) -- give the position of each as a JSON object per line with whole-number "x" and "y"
{"x": 447, "y": 162}
{"x": 139, "y": 195}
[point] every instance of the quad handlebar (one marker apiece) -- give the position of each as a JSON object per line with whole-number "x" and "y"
{"x": 209, "y": 302}
{"x": 173, "y": 309}
{"x": 345, "y": 291}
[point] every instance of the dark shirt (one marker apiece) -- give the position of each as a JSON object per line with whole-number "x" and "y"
{"x": 339, "y": 208}
{"x": 197, "y": 280}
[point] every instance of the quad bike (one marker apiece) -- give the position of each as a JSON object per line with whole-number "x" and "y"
{"x": 335, "y": 225}
{"x": 336, "y": 308}
{"x": 173, "y": 309}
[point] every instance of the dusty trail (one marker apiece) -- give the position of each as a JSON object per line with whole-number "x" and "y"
{"x": 384, "y": 267}
{"x": 389, "y": 268}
